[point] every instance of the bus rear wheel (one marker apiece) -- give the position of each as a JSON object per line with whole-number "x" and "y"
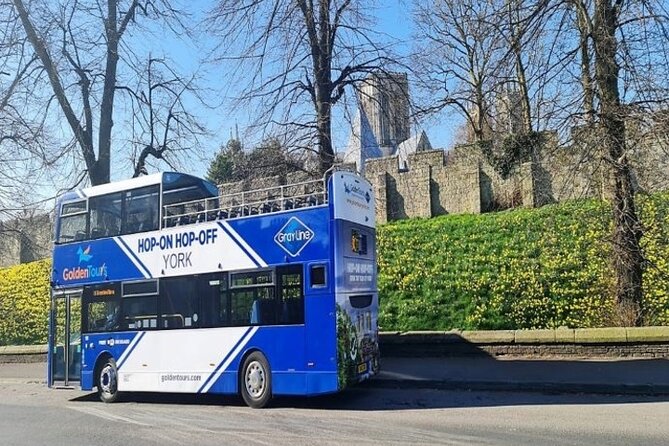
{"x": 107, "y": 381}
{"x": 255, "y": 383}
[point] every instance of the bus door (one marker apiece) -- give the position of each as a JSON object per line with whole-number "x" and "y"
{"x": 65, "y": 339}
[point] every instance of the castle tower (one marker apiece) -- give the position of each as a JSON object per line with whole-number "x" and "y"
{"x": 384, "y": 98}
{"x": 509, "y": 117}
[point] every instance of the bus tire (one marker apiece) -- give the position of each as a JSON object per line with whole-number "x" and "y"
{"x": 255, "y": 381}
{"x": 107, "y": 380}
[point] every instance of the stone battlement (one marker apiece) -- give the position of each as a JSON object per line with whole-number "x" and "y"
{"x": 436, "y": 183}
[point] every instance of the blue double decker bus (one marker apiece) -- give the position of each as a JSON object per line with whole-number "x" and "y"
{"x": 163, "y": 284}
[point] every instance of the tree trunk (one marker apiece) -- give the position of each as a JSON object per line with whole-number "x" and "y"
{"x": 516, "y": 48}
{"x": 586, "y": 76}
{"x": 627, "y": 256}
{"x": 524, "y": 93}
{"x": 101, "y": 173}
{"x": 325, "y": 152}
{"x": 324, "y": 90}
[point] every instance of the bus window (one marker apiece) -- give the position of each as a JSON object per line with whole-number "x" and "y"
{"x": 76, "y": 207}
{"x": 212, "y": 289}
{"x": 101, "y": 309}
{"x": 179, "y": 302}
{"x": 73, "y": 222}
{"x": 105, "y": 212}
{"x": 250, "y": 300}
{"x": 317, "y": 275}
{"x": 140, "y": 313}
{"x": 141, "y": 210}
{"x": 140, "y": 304}
{"x": 291, "y": 294}
{"x": 103, "y": 316}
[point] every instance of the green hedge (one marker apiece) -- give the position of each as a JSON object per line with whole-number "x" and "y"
{"x": 526, "y": 268}
{"x": 24, "y": 303}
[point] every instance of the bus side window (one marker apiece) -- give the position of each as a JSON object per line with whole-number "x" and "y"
{"x": 291, "y": 294}
{"x": 140, "y": 313}
{"x": 251, "y": 299}
{"x": 179, "y": 303}
{"x": 73, "y": 222}
{"x": 317, "y": 275}
{"x": 105, "y": 215}
{"x": 141, "y": 210}
{"x": 104, "y": 316}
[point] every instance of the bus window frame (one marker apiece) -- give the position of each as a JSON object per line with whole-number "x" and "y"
{"x": 124, "y": 208}
{"x": 80, "y": 200}
{"x": 323, "y": 285}
{"x": 120, "y": 217}
{"x": 271, "y": 270}
{"x": 58, "y": 239}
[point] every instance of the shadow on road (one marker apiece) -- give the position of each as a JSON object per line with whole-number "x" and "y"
{"x": 369, "y": 397}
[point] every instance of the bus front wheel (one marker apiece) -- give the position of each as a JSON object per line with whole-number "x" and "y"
{"x": 255, "y": 381}
{"x": 108, "y": 381}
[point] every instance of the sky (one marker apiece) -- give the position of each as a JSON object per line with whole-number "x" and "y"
{"x": 393, "y": 18}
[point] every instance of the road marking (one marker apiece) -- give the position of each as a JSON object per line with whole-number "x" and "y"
{"x": 106, "y": 415}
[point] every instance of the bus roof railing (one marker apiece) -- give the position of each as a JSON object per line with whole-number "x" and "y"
{"x": 251, "y": 202}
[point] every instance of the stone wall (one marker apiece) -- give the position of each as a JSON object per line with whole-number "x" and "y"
{"x": 464, "y": 181}
{"x": 430, "y": 186}
{"x": 461, "y": 182}
{"x": 25, "y": 239}
{"x": 437, "y": 182}
{"x": 639, "y": 342}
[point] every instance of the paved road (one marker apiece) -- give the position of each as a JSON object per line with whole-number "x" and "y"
{"x": 607, "y": 375}
{"x": 30, "y": 414}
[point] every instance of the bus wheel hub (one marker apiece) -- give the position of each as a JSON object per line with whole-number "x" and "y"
{"x": 255, "y": 379}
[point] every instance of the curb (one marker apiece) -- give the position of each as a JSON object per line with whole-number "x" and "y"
{"x": 23, "y": 349}
{"x": 606, "y": 335}
{"x": 536, "y": 387}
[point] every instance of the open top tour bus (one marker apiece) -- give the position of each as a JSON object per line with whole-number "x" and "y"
{"x": 161, "y": 284}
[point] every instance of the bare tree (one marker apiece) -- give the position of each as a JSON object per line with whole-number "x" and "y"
{"x": 302, "y": 56}
{"x": 627, "y": 228}
{"x": 629, "y": 86}
{"x": 162, "y": 126}
{"x": 491, "y": 58}
{"x": 81, "y": 46}
{"x": 459, "y": 62}
{"x": 27, "y": 158}
{"x": 605, "y": 60}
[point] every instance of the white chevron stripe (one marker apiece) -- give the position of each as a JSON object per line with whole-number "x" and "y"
{"x": 131, "y": 257}
{"x": 135, "y": 339}
{"x": 245, "y": 245}
{"x": 231, "y": 358}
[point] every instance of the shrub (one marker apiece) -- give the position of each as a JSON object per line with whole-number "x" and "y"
{"x": 526, "y": 268}
{"x": 24, "y": 303}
